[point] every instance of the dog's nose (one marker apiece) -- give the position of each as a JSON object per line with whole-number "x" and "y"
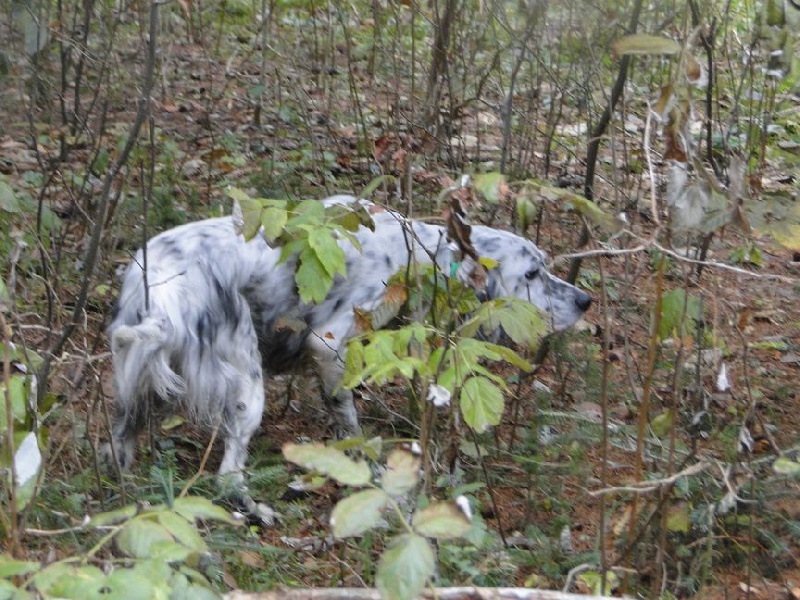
{"x": 583, "y": 301}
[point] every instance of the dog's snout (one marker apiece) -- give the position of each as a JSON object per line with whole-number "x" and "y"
{"x": 583, "y": 301}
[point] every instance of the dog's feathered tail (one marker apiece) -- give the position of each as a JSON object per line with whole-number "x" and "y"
{"x": 141, "y": 362}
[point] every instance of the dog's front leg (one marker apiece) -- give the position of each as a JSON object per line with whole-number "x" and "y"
{"x": 329, "y": 361}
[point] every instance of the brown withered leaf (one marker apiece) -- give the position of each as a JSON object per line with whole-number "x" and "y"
{"x": 363, "y": 319}
{"x": 694, "y": 70}
{"x": 393, "y": 300}
{"x": 382, "y": 144}
{"x": 459, "y": 230}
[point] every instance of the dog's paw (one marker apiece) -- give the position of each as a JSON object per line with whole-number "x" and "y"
{"x": 255, "y": 513}
{"x": 236, "y": 494}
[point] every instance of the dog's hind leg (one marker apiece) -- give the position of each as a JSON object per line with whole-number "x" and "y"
{"x": 241, "y": 424}
{"x": 239, "y": 429}
{"x": 240, "y": 374}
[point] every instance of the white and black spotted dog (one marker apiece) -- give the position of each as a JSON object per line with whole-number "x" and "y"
{"x": 223, "y": 312}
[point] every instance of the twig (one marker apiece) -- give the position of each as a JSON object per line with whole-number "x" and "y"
{"x": 652, "y": 485}
{"x": 648, "y": 243}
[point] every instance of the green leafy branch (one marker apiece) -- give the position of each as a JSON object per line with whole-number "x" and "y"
{"x": 451, "y": 365}
{"x": 163, "y": 549}
{"x": 308, "y": 230}
{"x": 409, "y": 562}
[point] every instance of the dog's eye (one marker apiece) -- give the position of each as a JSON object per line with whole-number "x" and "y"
{"x": 531, "y": 274}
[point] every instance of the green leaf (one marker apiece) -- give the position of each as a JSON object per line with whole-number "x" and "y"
{"x": 113, "y": 517}
{"x": 273, "y": 220}
{"x": 5, "y": 297}
{"x": 481, "y": 403}
{"x": 328, "y": 461}
{"x": 171, "y": 552}
{"x": 778, "y": 215}
{"x": 522, "y": 321}
{"x": 130, "y": 584}
{"x": 608, "y": 223}
{"x": 139, "y": 535}
{"x": 662, "y": 424}
{"x": 678, "y": 518}
{"x": 643, "y": 44}
{"x": 471, "y": 351}
{"x": 8, "y": 199}
{"x": 307, "y": 212}
{"x": 196, "y": 507}
{"x": 402, "y": 472}
{"x": 182, "y": 530}
{"x": 313, "y": 280}
{"x": 677, "y": 309}
{"x": 527, "y": 211}
{"x": 375, "y": 184}
{"x": 353, "y": 364}
{"x": 17, "y": 392}
{"x": 251, "y": 212}
{"x": 786, "y": 466}
{"x": 594, "y": 581}
{"x": 25, "y": 356}
{"x": 357, "y": 513}
{"x": 11, "y": 568}
{"x": 330, "y": 255}
{"x": 8, "y": 591}
{"x": 63, "y": 580}
{"x": 441, "y": 520}
{"x": 492, "y": 186}
{"x": 405, "y": 567}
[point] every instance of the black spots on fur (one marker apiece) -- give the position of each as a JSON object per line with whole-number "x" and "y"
{"x": 338, "y": 303}
{"x": 229, "y": 299}
{"x": 388, "y": 262}
{"x": 206, "y": 329}
{"x": 492, "y": 246}
{"x": 168, "y": 248}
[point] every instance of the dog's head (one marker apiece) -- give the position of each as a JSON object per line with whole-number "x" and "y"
{"x": 521, "y": 272}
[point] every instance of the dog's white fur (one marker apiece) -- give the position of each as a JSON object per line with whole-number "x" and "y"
{"x": 223, "y": 311}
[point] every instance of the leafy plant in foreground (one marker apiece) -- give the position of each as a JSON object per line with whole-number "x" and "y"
{"x": 444, "y": 352}
{"x": 164, "y": 550}
{"x": 409, "y": 561}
